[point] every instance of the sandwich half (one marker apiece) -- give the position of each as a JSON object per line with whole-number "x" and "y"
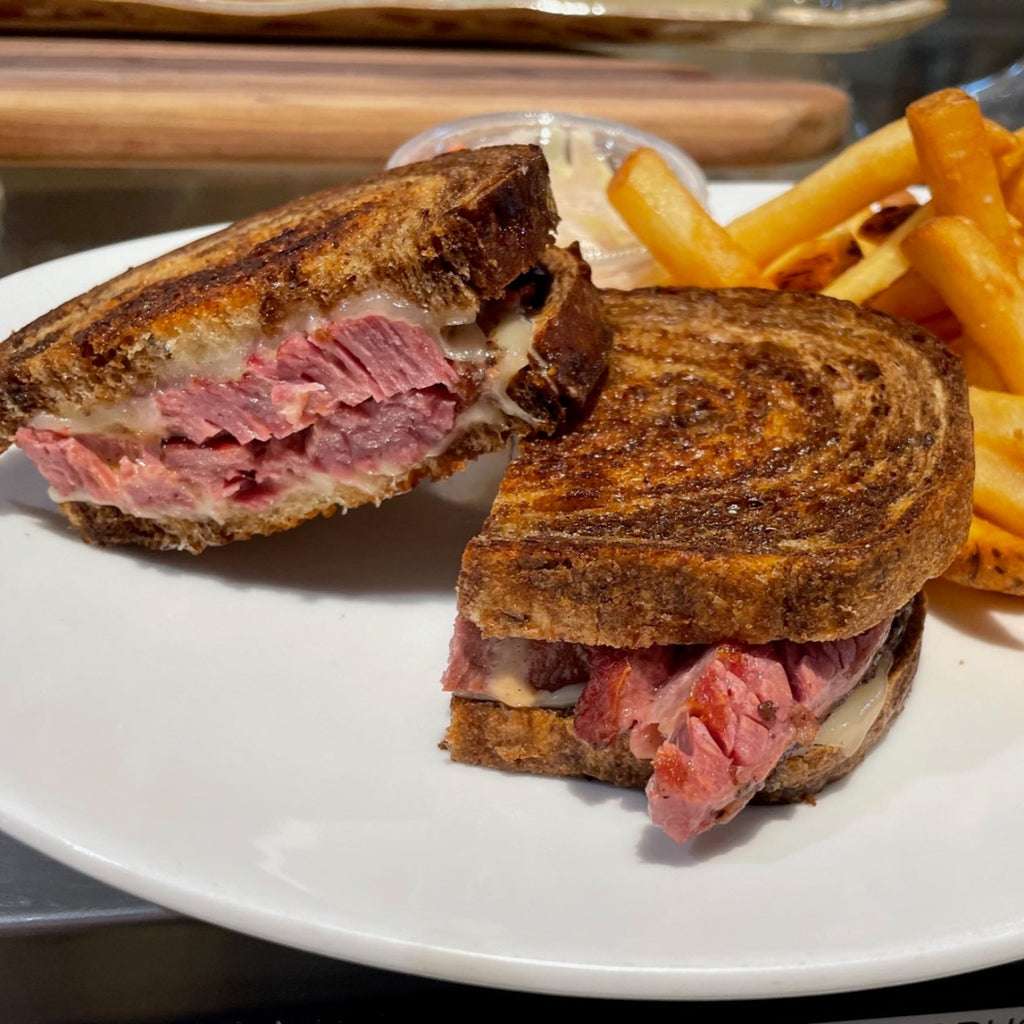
{"x": 322, "y": 355}
{"x": 711, "y": 587}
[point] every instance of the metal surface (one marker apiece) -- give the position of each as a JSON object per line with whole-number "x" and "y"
{"x": 39, "y": 895}
{"x": 75, "y": 950}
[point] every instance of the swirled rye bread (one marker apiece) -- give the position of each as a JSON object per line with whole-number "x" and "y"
{"x": 322, "y": 355}
{"x": 712, "y": 586}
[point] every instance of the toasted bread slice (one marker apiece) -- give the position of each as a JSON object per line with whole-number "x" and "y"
{"x": 462, "y": 241}
{"x": 758, "y": 465}
{"x": 542, "y": 741}
{"x": 570, "y": 348}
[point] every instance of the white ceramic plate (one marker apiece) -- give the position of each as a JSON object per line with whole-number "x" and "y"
{"x": 250, "y": 737}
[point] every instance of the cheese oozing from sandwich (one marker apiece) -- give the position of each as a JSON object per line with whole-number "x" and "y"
{"x": 713, "y": 720}
{"x": 358, "y": 396}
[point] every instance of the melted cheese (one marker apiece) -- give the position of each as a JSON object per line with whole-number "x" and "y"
{"x": 456, "y": 334}
{"x": 502, "y": 356}
{"x": 847, "y": 725}
{"x": 513, "y": 346}
{"x": 508, "y": 680}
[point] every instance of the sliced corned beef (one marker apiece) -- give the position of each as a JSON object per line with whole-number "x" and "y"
{"x": 714, "y": 721}
{"x": 361, "y": 396}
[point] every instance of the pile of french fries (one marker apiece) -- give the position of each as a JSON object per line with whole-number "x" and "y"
{"x": 855, "y": 229}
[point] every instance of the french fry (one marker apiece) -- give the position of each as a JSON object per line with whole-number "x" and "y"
{"x": 945, "y": 325}
{"x": 1013, "y": 194}
{"x": 910, "y": 296}
{"x": 879, "y": 164}
{"x": 979, "y": 285}
{"x": 679, "y": 233}
{"x": 881, "y": 267}
{"x": 873, "y": 167}
{"x": 957, "y": 165}
{"x": 979, "y": 369}
{"x": 991, "y": 559}
{"x": 999, "y": 422}
{"x": 814, "y": 264}
{"x": 880, "y": 223}
{"x": 1003, "y": 143}
{"x": 999, "y": 488}
{"x": 1010, "y": 164}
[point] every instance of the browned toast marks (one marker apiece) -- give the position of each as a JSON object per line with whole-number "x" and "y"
{"x": 442, "y": 235}
{"x": 570, "y": 347}
{"x": 460, "y": 238}
{"x": 758, "y": 465}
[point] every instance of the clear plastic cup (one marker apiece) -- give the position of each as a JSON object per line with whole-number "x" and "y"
{"x": 582, "y": 153}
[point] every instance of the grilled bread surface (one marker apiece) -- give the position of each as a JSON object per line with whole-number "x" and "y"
{"x": 441, "y": 235}
{"x": 541, "y": 741}
{"x": 570, "y": 348}
{"x": 448, "y": 236}
{"x": 757, "y": 465}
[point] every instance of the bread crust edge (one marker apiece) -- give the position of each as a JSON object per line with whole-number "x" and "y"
{"x": 597, "y": 554}
{"x": 571, "y": 345}
{"x": 541, "y": 741}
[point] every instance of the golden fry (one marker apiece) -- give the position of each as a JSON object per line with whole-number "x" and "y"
{"x": 956, "y": 162}
{"x": 999, "y": 422}
{"x": 1013, "y": 194}
{"x": 991, "y": 559}
{"x": 812, "y": 266}
{"x": 910, "y": 296}
{"x": 999, "y": 488}
{"x": 945, "y": 325}
{"x": 877, "y": 165}
{"x": 679, "y": 233}
{"x": 881, "y": 267}
{"x": 883, "y": 221}
{"x": 978, "y": 367}
{"x": 980, "y": 286}
{"x": 1002, "y": 142}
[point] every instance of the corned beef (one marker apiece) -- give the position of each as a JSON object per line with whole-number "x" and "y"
{"x": 714, "y": 721}
{"x": 360, "y": 396}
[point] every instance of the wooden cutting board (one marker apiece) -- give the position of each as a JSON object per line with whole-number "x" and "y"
{"x": 131, "y": 102}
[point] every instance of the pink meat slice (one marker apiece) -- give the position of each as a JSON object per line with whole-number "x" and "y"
{"x": 363, "y": 395}
{"x": 473, "y": 660}
{"x": 618, "y": 693}
{"x": 718, "y": 726}
{"x": 714, "y": 721}
{"x": 723, "y": 725}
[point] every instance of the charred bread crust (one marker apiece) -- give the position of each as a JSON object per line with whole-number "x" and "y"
{"x": 541, "y": 741}
{"x": 536, "y": 741}
{"x": 443, "y": 234}
{"x": 756, "y": 465}
{"x": 571, "y": 343}
{"x": 570, "y": 352}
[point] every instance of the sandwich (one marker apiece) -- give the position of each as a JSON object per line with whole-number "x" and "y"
{"x": 322, "y": 355}
{"x": 711, "y": 588}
